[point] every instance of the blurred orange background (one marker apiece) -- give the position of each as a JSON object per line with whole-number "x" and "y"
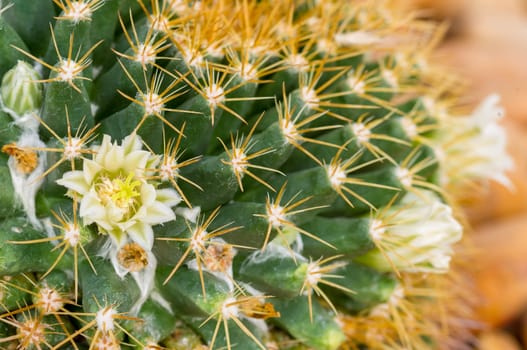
{"x": 487, "y": 46}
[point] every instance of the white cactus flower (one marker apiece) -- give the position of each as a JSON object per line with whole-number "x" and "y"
{"x": 114, "y": 192}
{"x": 474, "y": 147}
{"x": 415, "y": 235}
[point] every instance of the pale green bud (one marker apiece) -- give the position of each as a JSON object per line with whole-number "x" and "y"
{"x": 20, "y": 92}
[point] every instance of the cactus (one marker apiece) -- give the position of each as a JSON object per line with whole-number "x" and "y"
{"x": 228, "y": 174}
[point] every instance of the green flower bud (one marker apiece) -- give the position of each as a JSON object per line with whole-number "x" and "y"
{"x": 20, "y": 92}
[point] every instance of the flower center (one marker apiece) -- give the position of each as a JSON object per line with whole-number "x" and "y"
{"x": 122, "y": 193}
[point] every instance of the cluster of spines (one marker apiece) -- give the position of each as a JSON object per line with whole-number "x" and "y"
{"x": 276, "y": 120}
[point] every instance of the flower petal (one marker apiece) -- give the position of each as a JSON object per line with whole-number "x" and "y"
{"x": 168, "y": 196}
{"x": 131, "y": 143}
{"x": 74, "y": 180}
{"x": 103, "y": 148}
{"x": 90, "y": 170}
{"x": 158, "y": 213}
{"x": 118, "y": 237}
{"x": 135, "y": 161}
{"x": 142, "y": 234}
{"x": 148, "y": 194}
{"x": 113, "y": 159}
{"x": 91, "y": 209}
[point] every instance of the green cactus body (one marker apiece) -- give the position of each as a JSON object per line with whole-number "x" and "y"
{"x": 227, "y": 175}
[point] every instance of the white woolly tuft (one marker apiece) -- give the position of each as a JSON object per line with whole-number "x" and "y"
{"x": 26, "y": 186}
{"x": 273, "y": 250}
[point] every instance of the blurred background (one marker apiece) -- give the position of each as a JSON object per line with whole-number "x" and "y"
{"x": 487, "y": 45}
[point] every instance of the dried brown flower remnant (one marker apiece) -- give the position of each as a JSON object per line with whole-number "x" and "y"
{"x": 132, "y": 257}
{"x": 26, "y": 159}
